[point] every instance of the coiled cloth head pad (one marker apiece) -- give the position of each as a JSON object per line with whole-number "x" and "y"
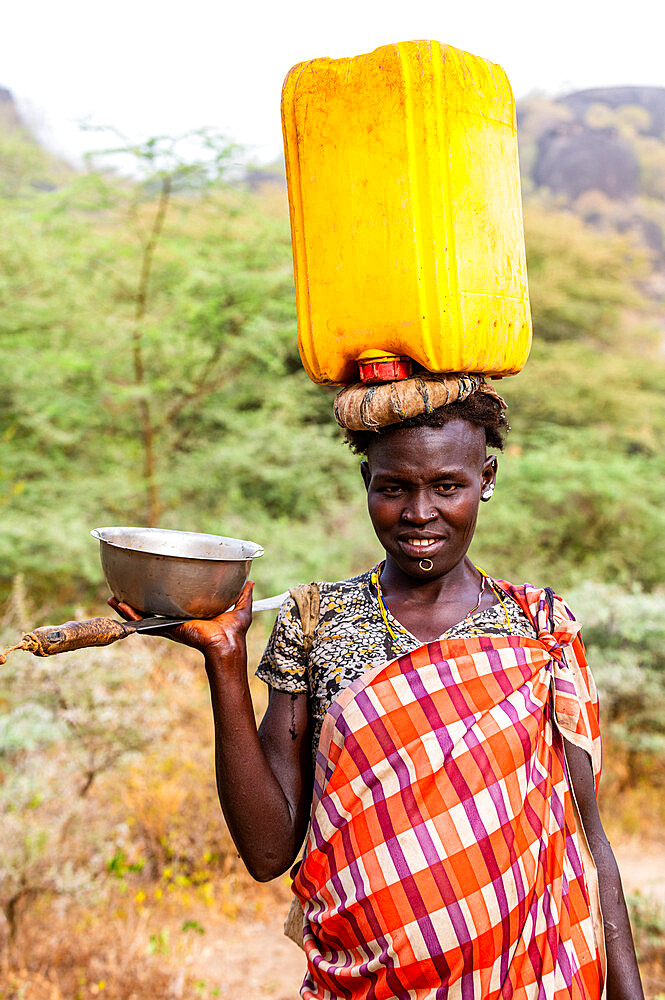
{"x": 362, "y": 407}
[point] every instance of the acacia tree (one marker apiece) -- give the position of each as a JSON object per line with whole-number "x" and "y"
{"x": 200, "y": 294}
{"x": 190, "y": 166}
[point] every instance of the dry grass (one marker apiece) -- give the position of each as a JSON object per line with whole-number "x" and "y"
{"x": 83, "y": 954}
{"x": 632, "y": 803}
{"x": 165, "y": 875}
{"x": 148, "y": 940}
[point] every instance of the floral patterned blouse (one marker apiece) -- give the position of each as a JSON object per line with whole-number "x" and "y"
{"x": 351, "y": 636}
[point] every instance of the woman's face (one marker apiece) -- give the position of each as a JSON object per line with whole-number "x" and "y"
{"x": 423, "y": 489}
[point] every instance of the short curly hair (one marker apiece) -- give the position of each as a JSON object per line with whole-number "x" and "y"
{"x": 479, "y": 408}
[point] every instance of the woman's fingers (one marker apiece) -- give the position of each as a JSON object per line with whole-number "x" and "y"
{"x": 217, "y": 632}
{"x": 129, "y": 613}
{"x": 187, "y": 634}
{"x": 243, "y": 608}
{"x": 204, "y": 633}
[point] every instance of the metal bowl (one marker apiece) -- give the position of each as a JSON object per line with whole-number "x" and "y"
{"x": 175, "y": 573}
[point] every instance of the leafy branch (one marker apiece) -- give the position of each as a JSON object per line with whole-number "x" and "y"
{"x": 159, "y": 161}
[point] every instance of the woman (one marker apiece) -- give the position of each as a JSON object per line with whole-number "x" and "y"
{"x": 442, "y": 732}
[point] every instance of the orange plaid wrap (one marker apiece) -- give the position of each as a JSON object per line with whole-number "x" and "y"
{"x": 445, "y": 858}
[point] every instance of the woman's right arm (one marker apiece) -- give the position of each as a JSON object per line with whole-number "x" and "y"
{"x": 264, "y": 779}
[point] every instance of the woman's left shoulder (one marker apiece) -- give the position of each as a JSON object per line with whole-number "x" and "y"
{"x": 540, "y": 603}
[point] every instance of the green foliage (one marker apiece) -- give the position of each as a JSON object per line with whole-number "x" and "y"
{"x": 234, "y": 419}
{"x": 569, "y": 392}
{"x": 624, "y": 632}
{"x": 158, "y": 944}
{"x": 580, "y": 493}
{"x": 647, "y": 918}
{"x": 193, "y": 925}
{"x": 572, "y": 510}
{"x": 241, "y": 443}
{"x": 578, "y": 282}
{"x": 119, "y": 866}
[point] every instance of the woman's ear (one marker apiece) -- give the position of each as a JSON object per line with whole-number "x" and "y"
{"x": 366, "y": 474}
{"x": 488, "y": 478}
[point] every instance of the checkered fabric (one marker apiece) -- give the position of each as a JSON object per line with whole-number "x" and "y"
{"x": 444, "y": 859}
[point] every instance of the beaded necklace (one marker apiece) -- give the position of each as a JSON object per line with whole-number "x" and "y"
{"x": 376, "y": 575}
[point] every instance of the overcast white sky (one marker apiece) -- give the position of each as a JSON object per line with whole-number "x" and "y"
{"x": 149, "y": 67}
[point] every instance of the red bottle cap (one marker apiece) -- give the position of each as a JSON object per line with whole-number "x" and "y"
{"x": 389, "y": 369}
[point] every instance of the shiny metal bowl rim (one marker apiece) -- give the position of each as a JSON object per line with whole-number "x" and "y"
{"x": 253, "y": 551}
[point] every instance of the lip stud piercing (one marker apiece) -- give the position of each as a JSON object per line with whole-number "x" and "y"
{"x": 426, "y": 565}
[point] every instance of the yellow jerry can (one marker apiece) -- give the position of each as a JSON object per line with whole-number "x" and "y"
{"x": 406, "y": 218}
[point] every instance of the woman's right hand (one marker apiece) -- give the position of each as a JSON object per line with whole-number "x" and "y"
{"x": 264, "y": 783}
{"x": 220, "y": 638}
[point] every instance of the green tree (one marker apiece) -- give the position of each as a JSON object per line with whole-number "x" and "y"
{"x": 579, "y": 282}
{"x": 143, "y": 371}
{"x": 241, "y": 443}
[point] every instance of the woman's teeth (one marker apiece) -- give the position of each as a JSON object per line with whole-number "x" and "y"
{"x": 421, "y": 543}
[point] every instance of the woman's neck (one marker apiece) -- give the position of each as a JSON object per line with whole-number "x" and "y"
{"x": 428, "y": 608}
{"x": 452, "y": 585}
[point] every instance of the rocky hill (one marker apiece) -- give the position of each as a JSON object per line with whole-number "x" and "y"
{"x": 23, "y": 160}
{"x": 10, "y": 119}
{"x": 650, "y": 99}
{"x": 601, "y": 154}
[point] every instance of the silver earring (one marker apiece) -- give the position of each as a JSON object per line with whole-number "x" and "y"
{"x": 487, "y": 493}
